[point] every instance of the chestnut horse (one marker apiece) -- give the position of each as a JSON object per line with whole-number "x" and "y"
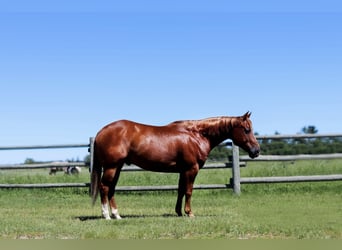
{"x": 179, "y": 147}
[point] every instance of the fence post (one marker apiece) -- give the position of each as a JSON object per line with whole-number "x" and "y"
{"x": 91, "y": 152}
{"x": 91, "y": 164}
{"x": 236, "y": 170}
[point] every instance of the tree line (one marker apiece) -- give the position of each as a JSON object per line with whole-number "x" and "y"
{"x": 288, "y": 146}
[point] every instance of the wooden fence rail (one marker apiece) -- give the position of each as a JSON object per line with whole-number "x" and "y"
{"x": 293, "y": 157}
{"x": 235, "y": 164}
{"x": 81, "y": 145}
{"x": 282, "y": 179}
{"x": 42, "y": 165}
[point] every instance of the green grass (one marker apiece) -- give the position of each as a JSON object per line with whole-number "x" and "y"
{"x": 295, "y": 211}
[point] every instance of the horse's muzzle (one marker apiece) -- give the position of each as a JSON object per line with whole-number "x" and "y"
{"x": 254, "y": 152}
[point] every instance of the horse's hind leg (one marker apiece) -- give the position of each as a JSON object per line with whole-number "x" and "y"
{"x": 105, "y": 189}
{"x": 112, "y": 203}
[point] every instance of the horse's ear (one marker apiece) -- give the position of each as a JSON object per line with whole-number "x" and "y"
{"x": 247, "y": 115}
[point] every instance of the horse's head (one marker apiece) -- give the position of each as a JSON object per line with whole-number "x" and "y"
{"x": 243, "y": 136}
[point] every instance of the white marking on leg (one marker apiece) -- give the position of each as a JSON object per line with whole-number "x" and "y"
{"x": 105, "y": 212}
{"x": 115, "y": 213}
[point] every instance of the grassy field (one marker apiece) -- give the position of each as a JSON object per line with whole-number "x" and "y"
{"x": 285, "y": 211}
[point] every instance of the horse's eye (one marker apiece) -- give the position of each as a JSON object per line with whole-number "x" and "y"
{"x": 247, "y": 130}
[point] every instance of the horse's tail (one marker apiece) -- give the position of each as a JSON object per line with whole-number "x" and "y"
{"x": 95, "y": 177}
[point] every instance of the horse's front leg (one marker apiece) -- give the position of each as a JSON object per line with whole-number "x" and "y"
{"x": 188, "y": 194}
{"x": 181, "y": 193}
{"x": 186, "y": 181}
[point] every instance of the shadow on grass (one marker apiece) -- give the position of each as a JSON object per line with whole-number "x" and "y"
{"x": 86, "y": 218}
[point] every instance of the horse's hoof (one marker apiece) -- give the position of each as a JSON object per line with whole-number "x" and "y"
{"x": 191, "y": 215}
{"x": 117, "y": 217}
{"x": 179, "y": 213}
{"x": 106, "y": 217}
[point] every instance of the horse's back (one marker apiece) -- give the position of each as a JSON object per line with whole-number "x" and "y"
{"x": 130, "y": 128}
{"x": 140, "y": 144}
{"x": 126, "y": 133}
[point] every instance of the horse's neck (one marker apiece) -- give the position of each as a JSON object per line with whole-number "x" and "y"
{"x": 216, "y": 129}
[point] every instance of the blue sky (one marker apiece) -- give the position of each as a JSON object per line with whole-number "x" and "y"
{"x": 70, "y": 67}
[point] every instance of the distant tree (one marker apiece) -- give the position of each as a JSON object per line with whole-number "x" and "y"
{"x": 29, "y": 161}
{"x": 309, "y": 130}
{"x": 87, "y": 159}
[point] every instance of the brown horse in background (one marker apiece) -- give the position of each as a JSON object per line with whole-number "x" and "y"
{"x": 179, "y": 147}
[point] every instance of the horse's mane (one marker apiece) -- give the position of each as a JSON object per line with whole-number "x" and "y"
{"x": 210, "y": 126}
